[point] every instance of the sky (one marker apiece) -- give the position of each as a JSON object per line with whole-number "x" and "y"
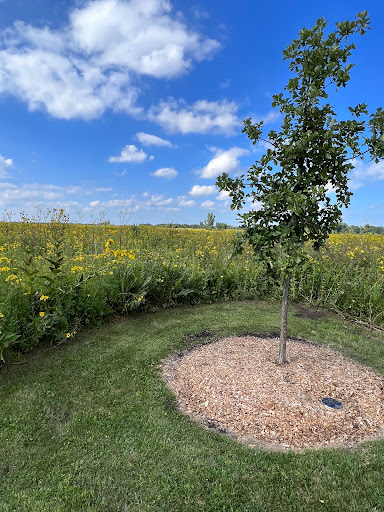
{"x": 128, "y": 110}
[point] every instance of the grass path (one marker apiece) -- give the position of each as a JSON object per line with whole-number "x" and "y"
{"x": 90, "y": 426}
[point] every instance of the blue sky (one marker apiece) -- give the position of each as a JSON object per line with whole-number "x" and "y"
{"x": 135, "y": 106}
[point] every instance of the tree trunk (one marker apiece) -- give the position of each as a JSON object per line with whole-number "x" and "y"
{"x": 283, "y": 332}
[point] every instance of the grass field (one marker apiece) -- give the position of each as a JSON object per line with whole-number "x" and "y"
{"x": 90, "y": 426}
{"x": 56, "y": 277}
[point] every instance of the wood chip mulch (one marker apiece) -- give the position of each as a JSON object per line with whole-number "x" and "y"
{"x": 235, "y": 386}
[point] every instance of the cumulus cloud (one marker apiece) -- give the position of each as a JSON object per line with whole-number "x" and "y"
{"x": 185, "y": 202}
{"x": 158, "y": 200}
{"x": 139, "y": 35}
{"x": 365, "y": 173}
{"x": 5, "y": 164}
{"x": 166, "y": 172}
{"x": 208, "y": 204}
{"x": 87, "y": 66}
{"x": 152, "y": 140}
{"x": 223, "y": 195}
{"x": 203, "y": 190}
{"x": 130, "y": 154}
{"x": 223, "y": 161}
{"x": 66, "y": 89}
{"x": 200, "y": 117}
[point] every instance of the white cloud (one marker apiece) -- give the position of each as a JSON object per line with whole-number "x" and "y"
{"x": 47, "y": 80}
{"x": 200, "y": 117}
{"x": 271, "y": 117}
{"x": 19, "y": 194}
{"x": 131, "y": 154}
{"x": 330, "y": 189}
{"x": 166, "y": 172}
{"x": 5, "y": 164}
{"x": 16, "y": 195}
{"x": 139, "y": 35}
{"x": 158, "y": 200}
{"x": 202, "y": 190}
{"x": 364, "y": 174}
{"x": 224, "y": 161}
{"x": 251, "y": 204}
{"x": 185, "y": 202}
{"x": 87, "y": 66}
{"x": 223, "y": 195}
{"x": 147, "y": 139}
{"x": 114, "y": 203}
{"x": 208, "y": 204}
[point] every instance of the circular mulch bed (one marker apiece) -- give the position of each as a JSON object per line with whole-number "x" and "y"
{"x": 235, "y": 386}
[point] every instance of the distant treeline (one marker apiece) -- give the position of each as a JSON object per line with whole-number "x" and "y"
{"x": 341, "y": 228}
{"x": 218, "y": 225}
{"x": 368, "y": 228}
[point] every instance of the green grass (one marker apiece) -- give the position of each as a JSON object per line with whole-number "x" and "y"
{"x": 90, "y": 426}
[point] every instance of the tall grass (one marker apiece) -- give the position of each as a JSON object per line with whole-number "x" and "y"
{"x": 56, "y": 277}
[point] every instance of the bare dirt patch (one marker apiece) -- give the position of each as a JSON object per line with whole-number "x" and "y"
{"x": 235, "y": 386}
{"x": 309, "y": 313}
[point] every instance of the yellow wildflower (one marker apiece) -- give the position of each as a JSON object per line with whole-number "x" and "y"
{"x": 42, "y": 314}
{"x": 11, "y": 277}
{"x": 76, "y": 269}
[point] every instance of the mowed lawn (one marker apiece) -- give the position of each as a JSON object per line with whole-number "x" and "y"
{"x": 90, "y": 426}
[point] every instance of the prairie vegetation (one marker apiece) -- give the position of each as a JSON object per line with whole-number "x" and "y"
{"x": 56, "y": 277}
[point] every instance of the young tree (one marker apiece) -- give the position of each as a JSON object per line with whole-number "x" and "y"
{"x": 312, "y": 153}
{"x": 209, "y": 221}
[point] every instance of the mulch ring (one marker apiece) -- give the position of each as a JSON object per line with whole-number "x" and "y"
{"x": 234, "y": 386}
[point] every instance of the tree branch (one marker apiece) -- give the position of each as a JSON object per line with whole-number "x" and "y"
{"x": 357, "y": 155}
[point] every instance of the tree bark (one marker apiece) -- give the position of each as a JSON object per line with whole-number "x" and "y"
{"x": 283, "y": 331}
